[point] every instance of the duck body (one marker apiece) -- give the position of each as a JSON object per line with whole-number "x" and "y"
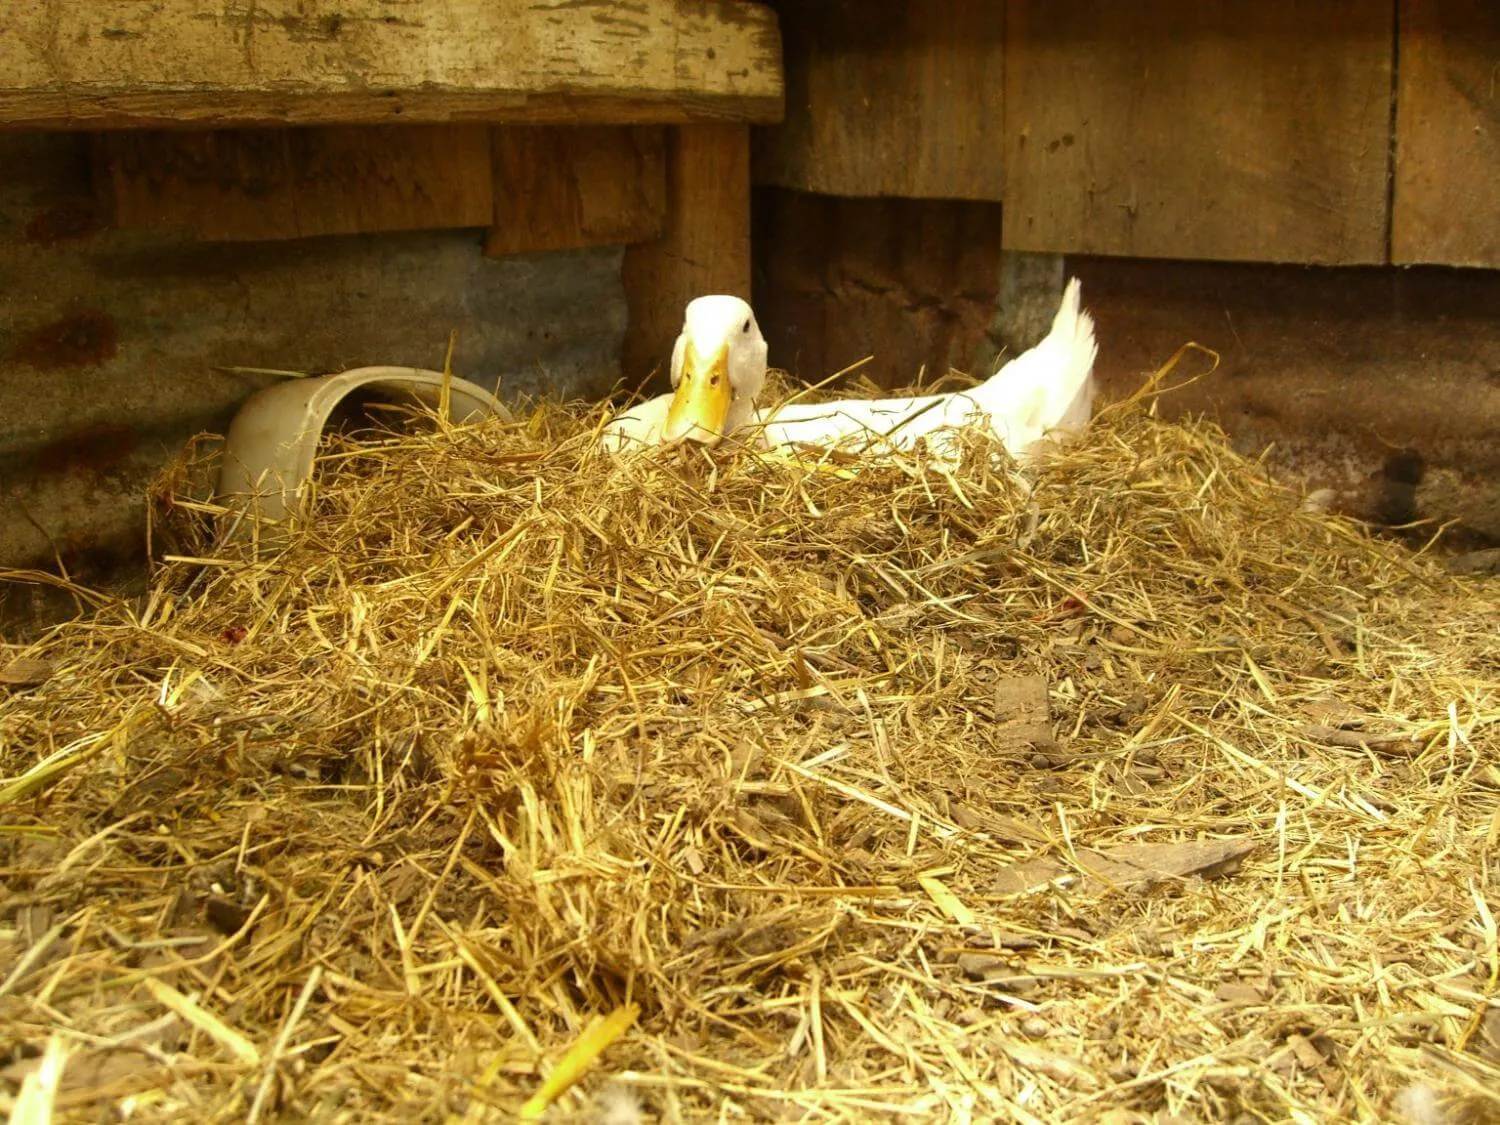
{"x": 1049, "y": 388}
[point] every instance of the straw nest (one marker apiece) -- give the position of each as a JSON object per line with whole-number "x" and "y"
{"x": 737, "y": 788}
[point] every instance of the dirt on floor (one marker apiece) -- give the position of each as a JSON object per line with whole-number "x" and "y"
{"x": 1381, "y": 385}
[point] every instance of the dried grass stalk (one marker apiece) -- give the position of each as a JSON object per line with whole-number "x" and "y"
{"x": 511, "y": 737}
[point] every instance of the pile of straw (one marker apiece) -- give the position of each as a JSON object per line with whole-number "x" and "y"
{"x": 696, "y": 788}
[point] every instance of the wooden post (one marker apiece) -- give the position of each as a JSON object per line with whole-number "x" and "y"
{"x": 1031, "y": 287}
{"x": 705, "y": 247}
{"x": 570, "y": 186}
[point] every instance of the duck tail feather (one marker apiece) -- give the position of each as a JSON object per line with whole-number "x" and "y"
{"x": 1074, "y": 349}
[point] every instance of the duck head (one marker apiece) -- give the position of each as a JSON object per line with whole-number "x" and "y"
{"x": 718, "y": 371}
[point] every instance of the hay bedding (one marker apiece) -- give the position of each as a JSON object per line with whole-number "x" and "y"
{"x": 510, "y": 738}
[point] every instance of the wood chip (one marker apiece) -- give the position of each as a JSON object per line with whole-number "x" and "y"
{"x": 25, "y": 671}
{"x": 1314, "y": 1055}
{"x": 1022, "y": 711}
{"x": 1361, "y": 740}
{"x": 1239, "y": 994}
{"x": 1478, "y": 563}
{"x": 977, "y": 965}
{"x": 1331, "y": 712}
{"x": 1131, "y": 865}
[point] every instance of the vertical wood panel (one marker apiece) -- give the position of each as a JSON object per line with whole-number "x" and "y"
{"x": 1208, "y": 130}
{"x": 1447, "y": 200}
{"x": 563, "y": 188}
{"x": 254, "y": 184}
{"x": 895, "y": 97}
{"x": 705, "y": 247}
{"x": 908, "y": 282}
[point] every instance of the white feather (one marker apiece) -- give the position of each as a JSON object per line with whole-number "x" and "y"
{"x": 1418, "y": 1105}
{"x": 1049, "y": 388}
{"x": 617, "y": 1105}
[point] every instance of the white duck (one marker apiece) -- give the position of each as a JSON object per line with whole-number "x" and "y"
{"x": 719, "y": 370}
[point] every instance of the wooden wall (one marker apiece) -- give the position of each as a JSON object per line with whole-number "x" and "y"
{"x": 943, "y": 163}
{"x": 1212, "y": 130}
{"x": 900, "y": 99}
{"x": 1447, "y": 188}
{"x": 1333, "y": 134}
{"x": 911, "y": 284}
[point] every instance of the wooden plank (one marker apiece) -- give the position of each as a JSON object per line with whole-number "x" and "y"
{"x": 1212, "y": 130}
{"x": 1447, "y": 208}
{"x": 704, "y": 249}
{"x": 563, "y": 188}
{"x": 909, "y": 283}
{"x": 260, "y": 184}
{"x": 1129, "y": 865}
{"x": 899, "y": 97}
{"x": 117, "y": 63}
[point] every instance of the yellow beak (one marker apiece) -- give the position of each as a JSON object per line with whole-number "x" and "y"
{"x": 701, "y": 403}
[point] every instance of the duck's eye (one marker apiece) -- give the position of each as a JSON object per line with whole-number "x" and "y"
{"x": 746, "y": 328}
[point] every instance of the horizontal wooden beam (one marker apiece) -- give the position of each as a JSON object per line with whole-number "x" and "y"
{"x": 103, "y": 64}
{"x": 567, "y": 188}
{"x": 899, "y": 98}
{"x": 243, "y": 185}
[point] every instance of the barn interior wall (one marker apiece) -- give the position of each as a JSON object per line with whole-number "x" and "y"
{"x": 910, "y": 282}
{"x": 1379, "y": 383}
{"x": 112, "y": 343}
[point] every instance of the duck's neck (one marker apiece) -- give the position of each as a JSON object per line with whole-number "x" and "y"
{"x": 742, "y": 413}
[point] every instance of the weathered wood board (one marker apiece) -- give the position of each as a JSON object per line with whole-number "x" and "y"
{"x": 240, "y": 185}
{"x": 1128, "y": 866}
{"x": 705, "y": 247}
{"x": 562, "y": 188}
{"x": 1214, "y": 130}
{"x": 116, "y": 63}
{"x": 899, "y": 98}
{"x": 1447, "y": 203}
{"x": 910, "y": 284}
